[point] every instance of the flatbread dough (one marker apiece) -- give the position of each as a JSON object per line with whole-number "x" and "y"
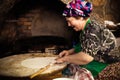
{"x": 40, "y": 62}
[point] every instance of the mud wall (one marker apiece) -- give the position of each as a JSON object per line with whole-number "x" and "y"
{"x": 107, "y": 9}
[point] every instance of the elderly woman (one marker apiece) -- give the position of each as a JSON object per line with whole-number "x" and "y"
{"x": 91, "y": 54}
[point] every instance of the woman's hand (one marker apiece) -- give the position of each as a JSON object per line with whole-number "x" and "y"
{"x": 63, "y": 56}
{"x": 80, "y": 58}
{"x": 62, "y": 59}
{"x": 66, "y": 52}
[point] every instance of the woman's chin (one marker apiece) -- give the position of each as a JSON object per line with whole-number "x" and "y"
{"x": 76, "y": 29}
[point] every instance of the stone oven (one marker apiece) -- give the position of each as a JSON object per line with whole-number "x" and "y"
{"x": 35, "y": 26}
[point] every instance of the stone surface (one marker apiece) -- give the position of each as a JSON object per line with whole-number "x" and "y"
{"x": 14, "y": 66}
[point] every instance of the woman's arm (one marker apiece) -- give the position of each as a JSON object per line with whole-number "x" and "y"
{"x": 80, "y": 58}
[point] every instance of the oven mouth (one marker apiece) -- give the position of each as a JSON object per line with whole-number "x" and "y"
{"x": 52, "y": 44}
{"x": 40, "y": 40}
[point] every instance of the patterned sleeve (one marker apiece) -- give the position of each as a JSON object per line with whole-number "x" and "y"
{"x": 97, "y": 41}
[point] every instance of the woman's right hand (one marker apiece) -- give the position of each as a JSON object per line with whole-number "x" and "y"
{"x": 64, "y": 53}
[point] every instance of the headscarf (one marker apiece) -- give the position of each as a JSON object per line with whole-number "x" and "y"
{"x": 78, "y": 8}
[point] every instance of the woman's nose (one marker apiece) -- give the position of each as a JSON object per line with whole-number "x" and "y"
{"x": 69, "y": 24}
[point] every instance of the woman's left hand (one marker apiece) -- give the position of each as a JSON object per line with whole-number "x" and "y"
{"x": 61, "y": 59}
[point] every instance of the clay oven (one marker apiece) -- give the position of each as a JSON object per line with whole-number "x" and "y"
{"x": 31, "y": 25}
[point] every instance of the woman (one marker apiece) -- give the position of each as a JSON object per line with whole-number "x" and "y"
{"x": 91, "y": 54}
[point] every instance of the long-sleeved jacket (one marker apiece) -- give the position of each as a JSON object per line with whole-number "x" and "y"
{"x": 97, "y": 41}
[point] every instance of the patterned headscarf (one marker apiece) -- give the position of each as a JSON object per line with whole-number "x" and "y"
{"x": 78, "y": 8}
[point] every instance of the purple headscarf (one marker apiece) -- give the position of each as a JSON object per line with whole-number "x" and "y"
{"x": 78, "y": 8}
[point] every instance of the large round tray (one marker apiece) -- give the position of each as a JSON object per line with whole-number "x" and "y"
{"x": 11, "y": 66}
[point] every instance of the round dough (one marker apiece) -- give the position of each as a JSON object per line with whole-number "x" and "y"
{"x": 40, "y": 62}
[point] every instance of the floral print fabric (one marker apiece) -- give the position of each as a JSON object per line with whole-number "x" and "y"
{"x": 78, "y": 8}
{"x": 97, "y": 41}
{"x": 77, "y": 73}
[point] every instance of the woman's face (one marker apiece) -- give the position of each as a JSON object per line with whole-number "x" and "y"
{"x": 75, "y": 23}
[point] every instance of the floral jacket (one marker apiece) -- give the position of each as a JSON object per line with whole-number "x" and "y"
{"x": 97, "y": 41}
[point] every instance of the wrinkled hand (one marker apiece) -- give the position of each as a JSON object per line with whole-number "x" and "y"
{"x": 63, "y": 56}
{"x": 64, "y": 53}
{"x": 61, "y": 60}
